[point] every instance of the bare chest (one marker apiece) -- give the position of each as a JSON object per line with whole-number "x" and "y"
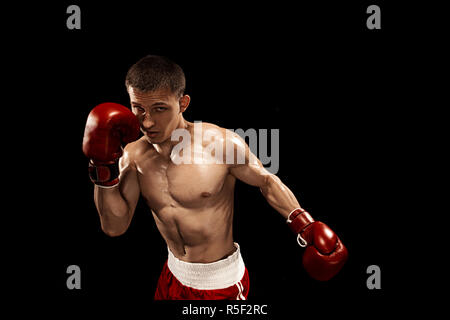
{"x": 165, "y": 184}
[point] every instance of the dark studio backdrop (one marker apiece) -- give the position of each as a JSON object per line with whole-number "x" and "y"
{"x": 313, "y": 71}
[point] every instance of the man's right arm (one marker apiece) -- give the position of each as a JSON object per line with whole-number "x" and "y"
{"x": 111, "y": 169}
{"x": 116, "y": 205}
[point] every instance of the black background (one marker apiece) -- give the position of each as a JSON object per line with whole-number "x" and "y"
{"x": 334, "y": 89}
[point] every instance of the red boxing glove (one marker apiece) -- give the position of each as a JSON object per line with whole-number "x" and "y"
{"x": 325, "y": 254}
{"x": 108, "y": 126}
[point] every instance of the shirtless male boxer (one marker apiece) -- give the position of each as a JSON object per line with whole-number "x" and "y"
{"x": 192, "y": 203}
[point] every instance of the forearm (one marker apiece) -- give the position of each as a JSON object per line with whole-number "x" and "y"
{"x": 279, "y": 196}
{"x": 112, "y": 209}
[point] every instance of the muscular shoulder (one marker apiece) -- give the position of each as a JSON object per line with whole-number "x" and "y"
{"x": 213, "y": 128}
{"x": 234, "y": 149}
{"x": 213, "y": 131}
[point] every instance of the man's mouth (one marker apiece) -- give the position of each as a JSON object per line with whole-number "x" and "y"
{"x": 152, "y": 134}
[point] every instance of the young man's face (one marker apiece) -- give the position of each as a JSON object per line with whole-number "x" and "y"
{"x": 159, "y": 112}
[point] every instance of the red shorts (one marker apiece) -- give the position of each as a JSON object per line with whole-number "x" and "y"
{"x": 215, "y": 283}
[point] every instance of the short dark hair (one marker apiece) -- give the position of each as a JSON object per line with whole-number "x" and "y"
{"x": 156, "y": 72}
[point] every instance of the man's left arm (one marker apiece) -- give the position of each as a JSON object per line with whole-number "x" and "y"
{"x": 325, "y": 254}
{"x": 277, "y": 194}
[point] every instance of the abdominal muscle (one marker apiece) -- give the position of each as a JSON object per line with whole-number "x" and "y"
{"x": 196, "y": 235}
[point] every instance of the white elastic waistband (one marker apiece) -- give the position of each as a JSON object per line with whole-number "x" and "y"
{"x": 208, "y": 276}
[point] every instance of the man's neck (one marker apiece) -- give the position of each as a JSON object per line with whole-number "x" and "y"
{"x": 165, "y": 148}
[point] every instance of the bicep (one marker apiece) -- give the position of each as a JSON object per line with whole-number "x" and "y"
{"x": 246, "y": 166}
{"x": 253, "y": 175}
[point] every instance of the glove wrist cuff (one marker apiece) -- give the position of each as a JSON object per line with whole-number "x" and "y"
{"x": 298, "y": 220}
{"x": 105, "y": 174}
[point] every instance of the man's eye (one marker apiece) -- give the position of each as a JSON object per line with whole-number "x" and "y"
{"x": 160, "y": 109}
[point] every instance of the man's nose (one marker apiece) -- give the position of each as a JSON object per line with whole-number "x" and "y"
{"x": 147, "y": 122}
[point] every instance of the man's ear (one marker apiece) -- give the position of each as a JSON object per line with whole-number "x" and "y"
{"x": 184, "y": 102}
